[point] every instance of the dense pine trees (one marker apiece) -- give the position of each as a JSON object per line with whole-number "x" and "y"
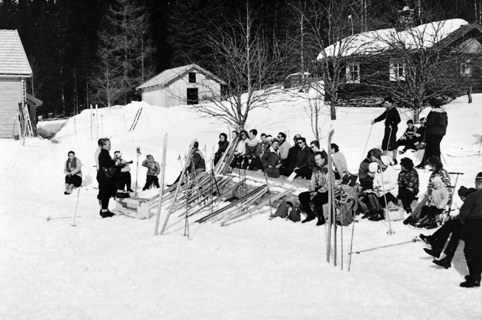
{"x": 68, "y": 42}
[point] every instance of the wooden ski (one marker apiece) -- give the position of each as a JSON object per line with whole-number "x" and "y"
{"x": 161, "y": 189}
{"x": 181, "y": 179}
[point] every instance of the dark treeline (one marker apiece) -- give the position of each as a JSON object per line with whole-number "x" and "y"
{"x": 64, "y": 43}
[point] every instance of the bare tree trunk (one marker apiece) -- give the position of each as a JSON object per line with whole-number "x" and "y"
{"x": 332, "y": 109}
{"x": 469, "y": 93}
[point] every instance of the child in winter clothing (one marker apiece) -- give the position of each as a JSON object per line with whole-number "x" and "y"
{"x": 153, "y": 170}
{"x": 408, "y": 139}
{"x": 408, "y": 184}
{"x": 73, "y": 173}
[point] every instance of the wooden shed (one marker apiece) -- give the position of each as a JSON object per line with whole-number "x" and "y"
{"x": 14, "y": 71}
{"x": 188, "y": 84}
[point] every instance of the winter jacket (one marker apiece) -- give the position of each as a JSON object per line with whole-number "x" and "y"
{"x": 105, "y": 161}
{"x": 409, "y": 179}
{"x": 284, "y": 149}
{"x": 339, "y": 161}
{"x": 251, "y": 148}
{"x": 319, "y": 179}
{"x": 439, "y": 197}
{"x": 153, "y": 167}
{"x": 271, "y": 158}
{"x": 409, "y": 133}
{"x": 472, "y": 207}
{"x": 422, "y": 131}
{"x": 96, "y": 157}
{"x": 290, "y": 161}
{"x": 437, "y": 121}
{"x": 198, "y": 161}
{"x": 223, "y": 145}
{"x": 262, "y": 148}
{"x": 240, "y": 148}
{"x": 391, "y": 117}
{"x": 385, "y": 181}
{"x": 304, "y": 158}
{"x": 363, "y": 170}
{"x": 73, "y": 167}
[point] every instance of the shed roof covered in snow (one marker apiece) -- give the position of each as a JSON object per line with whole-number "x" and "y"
{"x": 377, "y": 41}
{"x": 13, "y": 59}
{"x": 166, "y": 77}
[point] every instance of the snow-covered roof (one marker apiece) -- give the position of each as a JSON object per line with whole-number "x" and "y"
{"x": 167, "y": 76}
{"x": 13, "y": 60}
{"x": 372, "y": 42}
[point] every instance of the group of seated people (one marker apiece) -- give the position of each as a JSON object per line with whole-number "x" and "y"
{"x": 276, "y": 156}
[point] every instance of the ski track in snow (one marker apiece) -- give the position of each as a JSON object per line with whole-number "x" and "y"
{"x": 116, "y": 269}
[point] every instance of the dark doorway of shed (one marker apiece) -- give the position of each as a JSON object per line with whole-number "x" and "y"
{"x": 192, "y": 96}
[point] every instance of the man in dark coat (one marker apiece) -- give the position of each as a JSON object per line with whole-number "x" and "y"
{"x": 107, "y": 187}
{"x": 289, "y": 163}
{"x": 392, "y": 119}
{"x": 471, "y": 216}
{"x": 271, "y": 160}
{"x": 436, "y": 127}
{"x": 304, "y": 160}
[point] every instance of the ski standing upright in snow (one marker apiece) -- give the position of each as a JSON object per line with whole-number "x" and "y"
{"x": 331, "y": 204}
{"x": 161, "y": 189}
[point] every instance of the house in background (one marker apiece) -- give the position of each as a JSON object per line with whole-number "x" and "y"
{"x": 14, "y": 71}
{"x": 189, "y": 84}
{"x": 376, "y": 60}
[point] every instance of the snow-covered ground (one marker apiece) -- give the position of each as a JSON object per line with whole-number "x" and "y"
{"x": 255, "y": 269}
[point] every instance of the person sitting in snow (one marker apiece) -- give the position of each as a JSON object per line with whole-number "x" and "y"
{"x": 453, "y": 228}
{"x": 289, "y": 163}
{"x": 284, "y": 146}
{"x": 153, "y": 170}
{"x": 341, "y": 168}
{"x": 223, "y": 144}
{"x": 363, "y": 172}
{"x": 264, "y": 145}
{"x": 196, "y": 162}
{"x": 384, "y": 184}
{"x": 271, "y": 160}
{"x": 304, "y": 160}
{"x": 409, "y": 138}
{"x": 73, "y": 173}
{"x": 239, "y": 151}
{"x": 315, "y": 147}
{"x": 408, "y": 184}
{"x": 124, "y": 176}
{"x": 318, "y": 191}
{"x": 251, "y": 156}
{"x": 438, "y": 197}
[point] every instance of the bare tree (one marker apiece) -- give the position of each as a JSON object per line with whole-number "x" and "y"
{"x": 242, "y": 58}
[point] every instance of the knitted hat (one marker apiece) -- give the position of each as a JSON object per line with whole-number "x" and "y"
{"x": 479, "y": 176}
{"x": 386, "y": 160}
{"x": 373, "y": 167}
{"x": 464, "y": 192}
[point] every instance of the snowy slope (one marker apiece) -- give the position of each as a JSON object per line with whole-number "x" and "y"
{"x": 116, "y": 269}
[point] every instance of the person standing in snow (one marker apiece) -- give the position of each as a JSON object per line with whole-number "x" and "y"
{"x": 471, "y": 216}
{"x": 392, "y": 119}
{"x": 73, "y": 173}
{"x": 436, "y": 127}
{"x": 153, "y": 169}
{"x": 106, "y": 177}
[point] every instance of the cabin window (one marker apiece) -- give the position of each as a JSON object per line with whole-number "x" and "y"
{"x": 192, "y": 77}
{"x": 353, "y": 73}
{"x": 397, "y": 70}
{"x": 466, "y": 69}
{"x": 192, "y": 96}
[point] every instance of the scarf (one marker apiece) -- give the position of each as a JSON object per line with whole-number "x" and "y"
{"x": 70, "y": 165}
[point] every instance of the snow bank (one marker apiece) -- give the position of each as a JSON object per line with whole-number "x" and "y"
{"x": 116, "y": 269}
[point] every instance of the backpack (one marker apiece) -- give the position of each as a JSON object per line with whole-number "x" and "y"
{"x": 286, "y": 210}
{"x": 110, "y": 172}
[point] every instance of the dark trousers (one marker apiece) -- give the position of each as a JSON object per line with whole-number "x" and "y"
{"x": 73, "y": 179}
{"x": 318, "y": 201}
{"x": 389, "y": 141}
{"x": 107, "y": 189}
{"x": 430, "y": 212}
{"x": 389, "y": 196}
{"x": 150, "y": 180}
{"x": 304, "y": 172}
{"x": 452, "y": 227}
{"x": 408, "y": 144}
{"x": 433, "y": 146}
{"x": 124, "y": 180}
{"x": 407, "y": 198}
{"x": 473, "y": 247}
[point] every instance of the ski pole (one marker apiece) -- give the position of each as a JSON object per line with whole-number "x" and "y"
{"x": 76, "y": 206}
{"x": 385, "y": 246}
{"x": 54, "y": 218}
{"x": 366, "y": 144}
{"x": 387, "y": 216}
{"x": 269, "y": 195}
{"x": 480, "y": 145}
{"x": 137, "y": 170}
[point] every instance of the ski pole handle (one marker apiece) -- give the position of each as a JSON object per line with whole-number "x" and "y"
{"x": 138, "y": 150}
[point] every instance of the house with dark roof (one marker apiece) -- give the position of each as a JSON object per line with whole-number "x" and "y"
{"x": 14, "y": 71}
{"x": 188, "y": 84}
{"x": 442, "y": 56}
